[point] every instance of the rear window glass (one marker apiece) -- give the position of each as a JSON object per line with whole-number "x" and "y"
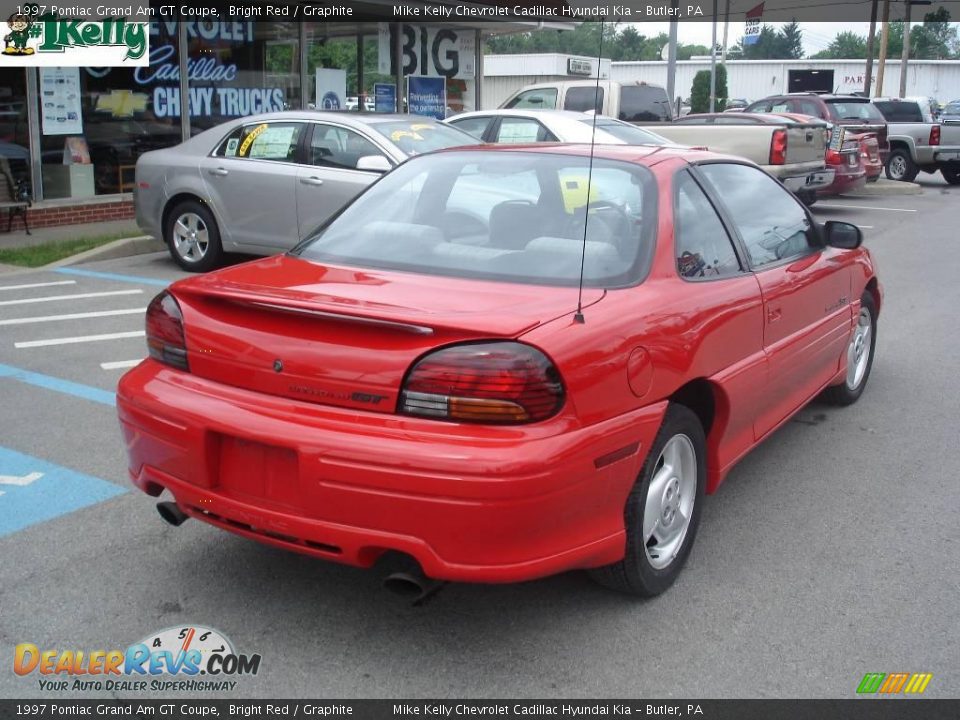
{"x": 515, "y": 217}
{"x": 630, "y": 134}
{"x": 853, "y": 110}
{"x": 644, "y": 103}
{"x": 899, "y": 111}
{"x": 419, "y": 136}
{"x": 582, "y": 99}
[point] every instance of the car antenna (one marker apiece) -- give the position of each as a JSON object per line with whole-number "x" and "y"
{"x": 578, "y": 316}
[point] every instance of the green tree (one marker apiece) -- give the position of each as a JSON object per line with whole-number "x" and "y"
{"x": 791, "y": 40}
{"x": 700, "y": 90}
{"x": 846, "y": 45}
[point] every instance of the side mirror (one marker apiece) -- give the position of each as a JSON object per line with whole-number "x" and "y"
{"x": 843, "y": 235}
{"x": 374, "y": 163}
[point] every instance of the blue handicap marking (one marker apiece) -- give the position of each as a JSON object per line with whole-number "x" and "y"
{"x": 34, "y": 490}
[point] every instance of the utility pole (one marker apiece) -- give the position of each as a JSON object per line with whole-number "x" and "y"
{"x": 906, "y": 50}
{"x": 672, "y": 62}
{"x": 884, "y": 36}
{"x": 868, "y": 79}
{"x": 713, "y": 62}
{"x": 726, "y": 28}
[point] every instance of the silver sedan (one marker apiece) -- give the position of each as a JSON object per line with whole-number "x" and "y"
{"x": 261, "y": 183}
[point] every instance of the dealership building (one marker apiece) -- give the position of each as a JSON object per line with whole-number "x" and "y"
{"x": 74, "y": 134}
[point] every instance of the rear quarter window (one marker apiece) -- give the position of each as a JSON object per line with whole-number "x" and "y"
{"x": 900, "y": 111}
{"x": 582, "y": 99}
{"x": 644, "y": 103}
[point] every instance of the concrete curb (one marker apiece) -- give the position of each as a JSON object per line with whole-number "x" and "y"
{"x": 887, "y": 188}
{"x": 124, "y": 247}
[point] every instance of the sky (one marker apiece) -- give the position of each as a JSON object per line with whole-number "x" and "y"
{"x": 816, "y": 35}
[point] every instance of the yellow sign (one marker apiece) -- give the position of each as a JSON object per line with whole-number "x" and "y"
{"x": 122, "y": 103}
{"x": 248, "y": 140}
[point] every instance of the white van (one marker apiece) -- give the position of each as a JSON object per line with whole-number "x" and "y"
{"x": 637, "y": 102}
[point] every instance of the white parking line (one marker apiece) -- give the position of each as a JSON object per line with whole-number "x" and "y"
{"x": 80, "y": 339}
{"x": 120, "y": 364}
{"x": 865, "y": 207}
{"x": 51, "y": 298}
{"x": 73, "y": 316}
{"x": 36, "y": 285}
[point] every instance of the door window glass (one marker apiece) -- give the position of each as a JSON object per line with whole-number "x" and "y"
{"x": 522, "y": 130}
{"x": 773, "y": 225}
{"x": 703, "y": 248}
{"x": 582, "y": 99}
{"x": 337, "y": 147}
{"x": 263, "y": 141}
{"x": 476, "y": 126}
{"x": 537, "y": 99}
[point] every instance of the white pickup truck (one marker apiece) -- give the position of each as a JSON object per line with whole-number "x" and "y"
{"x": 918, "y": 142}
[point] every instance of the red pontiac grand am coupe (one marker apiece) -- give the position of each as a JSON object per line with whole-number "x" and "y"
{"x": 416, "y": 377}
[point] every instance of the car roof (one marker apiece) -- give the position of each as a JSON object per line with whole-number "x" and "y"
{"x": 646, "y": 155}
{"x": 344, "y": 118}
{"x": 527, "y": 112}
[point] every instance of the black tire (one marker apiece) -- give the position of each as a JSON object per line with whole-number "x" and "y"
{"x": 901, "y": 167}
{"x": 873, "y": 179}
{"x": 951, "y": 175}
{"x": 844, "y": 394}
{"x": 634, "y": 574}
{"x": 212, "y": 254}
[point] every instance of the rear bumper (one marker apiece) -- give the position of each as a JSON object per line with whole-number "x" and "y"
{"x": 468, "y": 503}
{"x": 947, "y": 157}
{"x": 810, "y": 181}
{"x": 845, "y": 182}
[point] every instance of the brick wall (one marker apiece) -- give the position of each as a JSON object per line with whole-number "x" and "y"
{"x": 50, "y": 216}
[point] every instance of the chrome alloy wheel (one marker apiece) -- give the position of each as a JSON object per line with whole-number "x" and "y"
{"x": 858, "y": 352}
{"x": 191, "y": 238}
{"x": 669, "y": 502}
{"x": 898, "y": 167}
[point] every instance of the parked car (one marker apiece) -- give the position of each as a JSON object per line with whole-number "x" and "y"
{"x": 791, "y": 150}
{"x": 869, "y": 154}
{"x": 630, "y": 102}
{"x": 853, "y": 112}
{"x": 526, "y": 126}
{"x": 736, "y": 104}
{"x": 950, "y": 112}
{"x": 260, "y": 184}
{"x": 422, "y": 380}
{"x": 918, "y": 142}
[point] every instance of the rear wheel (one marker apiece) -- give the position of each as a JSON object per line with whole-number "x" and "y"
{"x": 193, "y": 237}
{"x": 859, "y": 355}
{"x": 663, "y": 510}
{"x": 901, "y": 167}
{"x": 951, "y": 175}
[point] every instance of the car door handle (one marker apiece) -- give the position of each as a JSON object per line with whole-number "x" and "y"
{"x": 219, "y": 171}
{"x": 774, "y": 315}
{"x": 312, "y": 180}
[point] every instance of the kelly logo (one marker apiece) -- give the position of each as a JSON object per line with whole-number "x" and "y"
{"x": 47, "y": 39}
{"x": 894, "y": 683}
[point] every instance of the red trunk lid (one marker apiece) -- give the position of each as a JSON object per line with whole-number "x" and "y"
{"x": 339, "y": 336}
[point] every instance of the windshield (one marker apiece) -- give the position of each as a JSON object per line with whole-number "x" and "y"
{"x": 423, "y": 135}
{"x": 509, "y": 216}
{"x": 853, "y": 110}
{"x": 953, "y": 108}
{"x": 628, "y": 133}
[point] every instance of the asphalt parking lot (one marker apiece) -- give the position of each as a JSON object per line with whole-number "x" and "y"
{"x": 831, "y": 551}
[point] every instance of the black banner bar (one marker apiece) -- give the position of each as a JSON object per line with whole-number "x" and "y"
{"x": 853, "y": 709}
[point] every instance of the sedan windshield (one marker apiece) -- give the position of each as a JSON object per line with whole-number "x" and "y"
{"x": 509, "y": 216}
{"x": 419, "y": 136}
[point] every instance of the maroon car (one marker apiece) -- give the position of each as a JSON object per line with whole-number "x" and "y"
{"x": 856, "y": 114}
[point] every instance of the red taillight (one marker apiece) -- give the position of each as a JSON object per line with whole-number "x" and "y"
{"x": 496, "y": 382}
{"x": 834, "y": 158}
{"x": 165, "y": 339}
{"x": 778, "y": 147}
{"x": 935, "y": 135}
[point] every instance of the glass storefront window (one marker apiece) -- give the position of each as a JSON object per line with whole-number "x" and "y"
{"x": 242, "y": 68}
{"x": 14, "y": 132}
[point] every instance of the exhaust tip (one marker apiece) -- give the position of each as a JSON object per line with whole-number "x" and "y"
{"x": 172, "y": 513}
{"x": 405, "y": 585}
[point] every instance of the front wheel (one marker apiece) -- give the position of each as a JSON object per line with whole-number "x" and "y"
{"x": 951, "y": 175}
{"x": 859, "y": 355}
{"x": 663, "y": 509}
{"x": 193, "y": 237}
{"x": 900, "y": 166}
